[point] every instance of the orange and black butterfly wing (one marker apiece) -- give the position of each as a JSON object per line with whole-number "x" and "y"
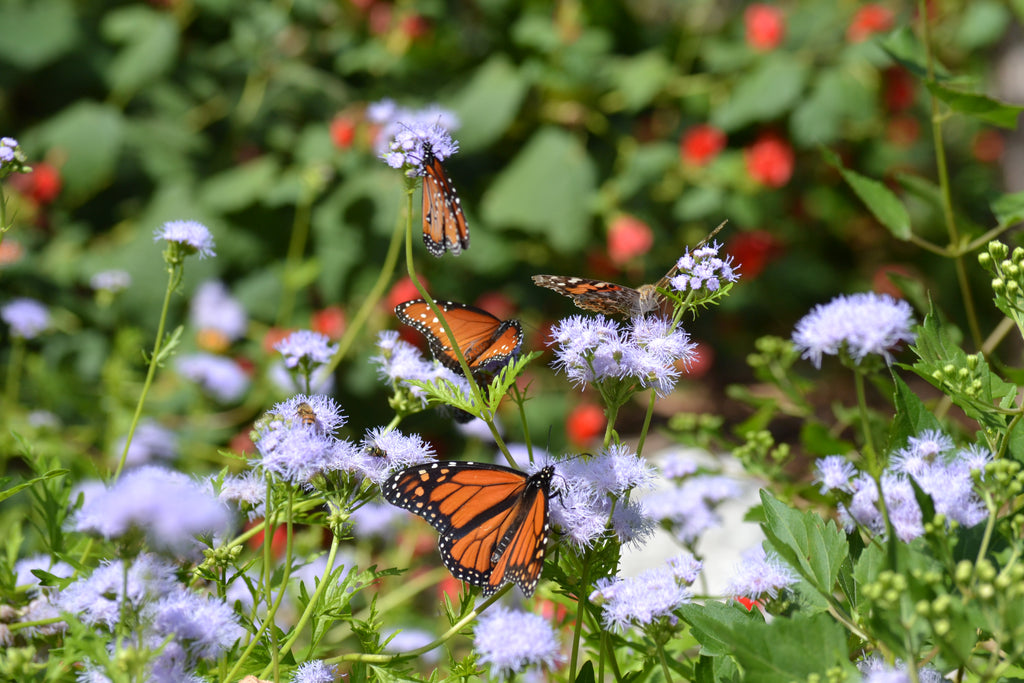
{"x": 444, "y": 223}
{"x": 485, "y": 340}
{"x": 492, "y": 520}
{"x": 593, "y": 295}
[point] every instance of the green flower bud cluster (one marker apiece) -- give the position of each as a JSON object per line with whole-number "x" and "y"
{"x": 967, "y": 380}
{"x": 1007, "y": 275}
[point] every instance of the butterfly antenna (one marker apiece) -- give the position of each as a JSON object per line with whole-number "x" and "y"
{"x": 712, "y": 234}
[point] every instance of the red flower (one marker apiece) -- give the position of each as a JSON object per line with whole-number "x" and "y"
{"x": 277, "y": 543}
{"x": 10, "y": 252}
{"x": 330, "y": 321}
{"x": 414, "y": 26}
{"x": 766, "y": 26}
{"x": 402, "y": 291}
{"x": 987, "y": 146}
{"x": 379, "y": 19}
{"x": 451, "y": 587}
{"x": 274, "y": 335}
{"x": 752, "y": 251}
{"x": 869, "y": 19}
{"x": 585, "y": 422}
{"x": 701, "y": 144}
{"x": 747, "y": 602}
{"x": 899, "y": 88}
{"x": 212, "y": 340}
{"x": 770, "y": 160}
{"x": 241, "y": 442}
{"x": 903, "y": 131}
{"x": 701, "y": 362}
{"x": 42, "y": 184}
{"x": 628, "y": 237}
{"x": 343, "y": 131}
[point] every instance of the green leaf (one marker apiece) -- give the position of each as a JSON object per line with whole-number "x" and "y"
{"x": 552, "y": 171}
{"x": 837, "y": 97}
{"x": 638, "y": 79}
{"x": 813, "y": 547}
{"x": 912, "y": 416}
{"x": 504, "y": 380}
{"x": 90, "y": 134}
{"x": 713, "y": 623}
{"x": 1008, "y": 208}
{"x": 771, "y": 90}
{"x": 489, "y": 103}
{"x": 982, "y": 23}
{"x": 36, "y": 32}
{"x": 977, "y": 106}
{"x": 241, "y": 186}
{"x": 880, "y": 200}
{"x": 151, "y": 45}
{"x": 7, "y": 493}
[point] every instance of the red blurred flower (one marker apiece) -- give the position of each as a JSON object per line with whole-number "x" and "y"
{"x": 987, "y": 146}
{"x": 274, "y": 335}
{"x": 701, "y": 144}
{"x": 343, "y": 131}
{"x": 899, "y": 88}
{"x": 747, "y": 602}
{"x": 883, "y": 284}
{"x": 628, "y": 237}
{"x": 869, "y": 19}
{"x": 241, "y": 442}
{"x": 552, "y": 611}
{"x": 752, "y": 251}
{"x": 701, "y": 362}
{"x": 766, "y": 26}
{"x": 770, "y": 160}
{"x": 451, "y": 587}
{"x": 362, "y": 5}
{"x": 585, "y": 422}
{"x": 277, "y": 543}
{"x": 498, "y": 304}
{"x": 42, "y": 183}
{"x": 903, "y": 131}
{"x": 10, "y": 252}
{"x": 379, "y": 19}
{"x": 402, "y": 291}
{"x": 330, "y": 321}
{"x": 414, "y": 26}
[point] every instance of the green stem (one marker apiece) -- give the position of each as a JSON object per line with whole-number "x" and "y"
{"x": 664, "y": 663}
{"x": 292, "y": 263}
{"x": 862, "y": 404}
{"x": 611, "y": 413}
{"x": 14, "y": 365}
{"x": 174, "y": 272}
{"x": 313, "y": 600}
{"x": 647, "y": 423}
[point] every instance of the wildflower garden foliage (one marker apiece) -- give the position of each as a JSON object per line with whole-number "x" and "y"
{"x": 236, "y": 385}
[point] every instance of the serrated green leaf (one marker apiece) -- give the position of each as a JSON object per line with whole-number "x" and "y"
{"x": 814, "y": 547}
{"x": 977, "y": 106}
{"x": 769, "y": 91}
{"x": 912, "y": 416}
{"x": 880, "y": 200}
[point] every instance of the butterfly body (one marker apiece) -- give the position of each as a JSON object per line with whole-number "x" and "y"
{"x": 604, "y": 297}
{"x": 444, "y": 223}
{"x": 492, "y": 520}
{"x": 485, "y": 341}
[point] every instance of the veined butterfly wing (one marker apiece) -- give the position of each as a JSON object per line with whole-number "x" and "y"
{"x": 444, "y": 223}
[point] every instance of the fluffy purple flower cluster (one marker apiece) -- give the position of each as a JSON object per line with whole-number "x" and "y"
{"x": 641, "y": 600}
{"x": 760, "y": 574}
{"x": 404, "y": 131}
{"x": 111, "y": 281}
{"x": 10, "y": 151}
{"x": 510, "y": 640}
{"x": 194, "y": 237}
{"x": 862, "y": 324}
{"x": 594, "y": 349}
{"x": 932, "y": 461}
{"x": 306, "y": 347}
{"x": 877, "y": 670}
{"x": 167, "y": 507}
{"x": 150, "y": 442}
{"x": 188, "y": 626}
{"x": 219, "y": 376}
{"x": 591, "y": 496}
{"x": 399, "y": 362}
{"x": 688, "y": 505}
{"x": 214, "y": 308}
{"x": 26, "y": 317}
{"x": 703, "y": 269}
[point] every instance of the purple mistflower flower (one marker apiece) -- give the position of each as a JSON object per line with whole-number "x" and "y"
{"x": 316, "y": 412}
{"x": 248, "y": 488}
{"x": 315, "y": 671}
{"x": 26, "y": 317}
{"x": 949, "y": 483}
{"x": 399, "y": 362}
{"x": 8, "y": 150}
{"x": 98, "y": 598}
{"x": 921, "y": 452}
{"x": 150, "y": 442}
{"x": 112, "y": 281}
{"x": 904, "y": 512}
{"x": 834, "y": 472}
{"x": 292, "y": 450}
{"x": 511, "y": 640}
{"x": 863, "y": 324}
{"x": 193, "y": 236}
{"x": 378, "y": 520}
{"x": 205, "y": 625}
{"x": 407, "y": 639}
{"x": 760, "y": 574}
{"x": 877, "y": 670}
{"x": 42, "y": 608}
{"x": 685, "y": 567}
{"x": 689, "y": 507}
{"x": 24, "y": 576}
{"x": 213, "y": 308}
{"x": 678, "y": 465}
{"x": 220, "y": 377}
{"x": 307, "y": 347}
{"x": 167, "y": 506}
{"x": 640, "y": 600}
{"x": 703, "y": 269}
{"x": 399, "y": 451}
{"x": 396, "y": 121}
{"x": 410, "y": 143}
{"x": 614, "y": 470}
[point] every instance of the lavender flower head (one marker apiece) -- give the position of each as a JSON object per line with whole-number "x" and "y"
{"x": 219, "y": 376}
{"x": 593, "y": 349}
{"x": 396, "y": 121}
{"x": 204, "y": 626}
{"x": 150, "y": 442}
{"x": 400, "y": 362}
{"x": 703, "y": 269}
{"x": 760, "y": 574}
{"x": 384, "y": 452}
{"x": 510, "y": 641}
{"x": 167, "y": 507}
{"x": 315, "y": 671}
{"x": 296, "y": 450}
{"x": 689, "y": 507}
{"x": 193, "y": 237}
{"x": 26, "y": 317}
{"x": 834, "y": 473}
{"x": 862, "y": 324}
{"x": 306, "y": 347}
{"x": 99, "y": 598}
{"x": 248, "y": 490}
{"x": 643, "y": 599}
{"x": 213, "y": 308}
{"x": 111, "y": 281}
{"x": 24, "y": 576}
{"x": 877, "y": 670}
{"x": 11, "y": 157}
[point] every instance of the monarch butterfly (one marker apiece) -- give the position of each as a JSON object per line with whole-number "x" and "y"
{"x": 485, "y": 341}
{"x": 609, "y": 298}
{"x": 492, "y": 520}
{"x": 444, "y": 224}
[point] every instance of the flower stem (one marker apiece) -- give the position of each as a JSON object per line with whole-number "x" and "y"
{"x": 869, "y": 446}
{"x": 14, "y": 365}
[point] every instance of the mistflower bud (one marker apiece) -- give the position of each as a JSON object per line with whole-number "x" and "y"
{"x": 985, "y": 260}
{"x": 941, "y": 627}
{"x": 1012, "y": 289}
{"x": 948, "y": 369}
{"x": 1018, "y": 255}
{"x": 998, "y": 285}
{"x": 940, "y": 605}
{"x": 998, "y": 250}
{"x": 972, "y": 360}
{"x": 986, "y": 591}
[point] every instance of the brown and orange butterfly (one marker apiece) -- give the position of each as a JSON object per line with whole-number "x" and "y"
{"x": 492, "y": 520}
{"x": 444, "y": 224}
{"x": 486, "y": 341}
{"x": 606, "y": 297}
